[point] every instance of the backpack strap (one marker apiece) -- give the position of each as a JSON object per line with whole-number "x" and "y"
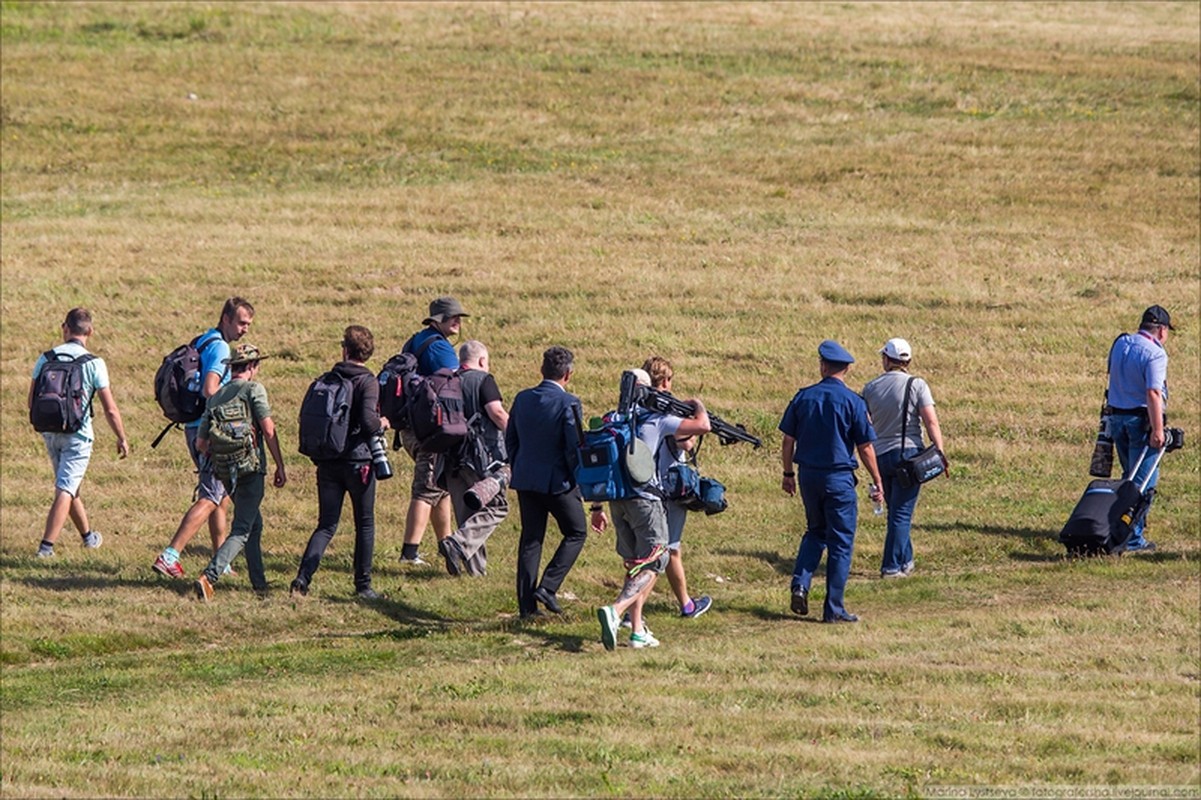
{"x": 905, "y": 410}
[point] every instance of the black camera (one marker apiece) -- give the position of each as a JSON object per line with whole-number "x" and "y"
{"x": 379, "y": 457}
{"x": 483, "y": 491}
{"x": 1173, "y": 439}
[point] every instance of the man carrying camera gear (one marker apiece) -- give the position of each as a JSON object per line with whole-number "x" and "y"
{"x": 823, "y": 426}
{"x": 477, "y": 475}
{"x": 235, "y": 426}
{"x": 209, "y": 500}
{"x": 1138, "y": 401}
{"x": 429, "y": 502}
{"x": 674, "y": 450}
{"x": 641, "y": 526}
{"x": 350, "y": 472}
{"x": 66, "y": 379}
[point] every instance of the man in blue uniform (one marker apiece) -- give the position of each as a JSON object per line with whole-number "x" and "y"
{"x": 1138, "y": 400}
{"x": 823, "y": 426}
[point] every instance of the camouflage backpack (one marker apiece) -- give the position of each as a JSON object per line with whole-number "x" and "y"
{"x": 233, "y": 446}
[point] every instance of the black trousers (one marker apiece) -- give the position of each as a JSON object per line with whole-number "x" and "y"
{"x": 568, "y": 510}
{"x": 336, "y": 480}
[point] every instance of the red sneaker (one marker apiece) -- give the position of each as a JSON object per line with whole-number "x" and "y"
{"x": 170, "y": 570}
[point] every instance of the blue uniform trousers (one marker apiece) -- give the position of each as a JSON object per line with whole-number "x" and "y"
{"x": 831, "y": 514}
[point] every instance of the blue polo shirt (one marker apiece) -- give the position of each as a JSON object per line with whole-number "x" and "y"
{"x": 439, "y": 355}
{"x": 828, "y": 421}
{"x": 1137, "y": 363}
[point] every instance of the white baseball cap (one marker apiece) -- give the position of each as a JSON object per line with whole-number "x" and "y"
{"x": 897, "y": 350}
{"x": 641, "y": 376}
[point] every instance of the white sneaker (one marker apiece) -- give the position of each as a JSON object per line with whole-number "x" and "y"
{"x": 644, "y": 639}
{"x": 93, "y": 539}
{"x": 416, "y": 561}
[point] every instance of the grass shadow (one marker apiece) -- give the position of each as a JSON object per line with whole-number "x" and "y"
{"x": 990, "y": 530}
{"x": 782, "y": 564}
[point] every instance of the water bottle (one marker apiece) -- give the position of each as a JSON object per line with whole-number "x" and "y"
{"x": 877, "y": 505}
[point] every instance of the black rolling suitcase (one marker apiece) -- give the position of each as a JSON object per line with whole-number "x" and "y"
{"x": 1101, "y": 522}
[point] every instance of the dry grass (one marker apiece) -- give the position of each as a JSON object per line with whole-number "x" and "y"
{"x": 726, "y": 184}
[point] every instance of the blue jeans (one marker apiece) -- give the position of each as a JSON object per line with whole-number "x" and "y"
{"x": 831, "y": 514}
{"x": 1130, "y": 434}
{"x": 898, "y": 547}
{"x": 246, "y": 531}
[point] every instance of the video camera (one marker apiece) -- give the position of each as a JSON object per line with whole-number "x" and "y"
{"x": 634, "y": 394}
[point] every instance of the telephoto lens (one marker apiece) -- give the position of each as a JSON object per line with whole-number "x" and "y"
{"x": 379, "y": 458}
{"x": 483, "y": 491}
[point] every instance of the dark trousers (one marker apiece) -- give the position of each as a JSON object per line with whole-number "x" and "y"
{"x": 336, "y": 480}
{"x": 568, "y": 510}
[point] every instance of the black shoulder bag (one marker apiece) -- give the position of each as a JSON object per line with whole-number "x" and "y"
{"x": 926, "y": 465}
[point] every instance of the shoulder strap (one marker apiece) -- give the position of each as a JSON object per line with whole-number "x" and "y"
{"x": 905, "y": 409}
{"x": 426, "y": 344}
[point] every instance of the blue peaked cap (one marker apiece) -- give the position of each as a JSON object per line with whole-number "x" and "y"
{"x": 832, "y": 351}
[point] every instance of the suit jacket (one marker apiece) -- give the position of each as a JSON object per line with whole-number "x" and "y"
{"x": 542, "y": 439}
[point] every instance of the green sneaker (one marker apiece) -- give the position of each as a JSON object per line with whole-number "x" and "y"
{"x": 608, "y": 622}
{"x": 644, "y": 639}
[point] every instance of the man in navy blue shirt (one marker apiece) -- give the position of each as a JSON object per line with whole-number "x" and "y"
{"x": 823, "y": 426}
{"x": 1138, "y": 400}
{"x": 428, "y": 502}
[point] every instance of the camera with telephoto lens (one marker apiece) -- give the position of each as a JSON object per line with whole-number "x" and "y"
{"x": 379, "y": 457}
{"x": 1173, "y": 439}
{"x": 483, "y": 491}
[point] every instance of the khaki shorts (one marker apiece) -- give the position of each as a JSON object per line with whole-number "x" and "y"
{"x": 426, "y": 467}
{"x": 641, "y": 526}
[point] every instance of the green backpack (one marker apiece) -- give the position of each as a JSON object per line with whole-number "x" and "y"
{"x": 232, "y": 444}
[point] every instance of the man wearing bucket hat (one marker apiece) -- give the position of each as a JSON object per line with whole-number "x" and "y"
{"x": 823, "y": 427}
{"x": 428, "y": 502}
{"x": 238, "y": 411}
{"x": 1138, "y": 401}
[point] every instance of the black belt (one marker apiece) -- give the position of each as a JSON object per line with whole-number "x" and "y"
{"x": 1132, "y": 412}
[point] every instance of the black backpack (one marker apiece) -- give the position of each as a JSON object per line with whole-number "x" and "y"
{"x": 437, "y": 414}
{"x": 325, "y": 417}
{"x": 178, "y": 385}
{"x": 58, "y": 403}
{"x": 393, "y": 378}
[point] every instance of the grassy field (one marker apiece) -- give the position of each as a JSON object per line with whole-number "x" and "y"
{"x": 1005, "y": 185}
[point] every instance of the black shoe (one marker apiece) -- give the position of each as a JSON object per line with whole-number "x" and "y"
{"x": 841, "y": 618}
{"x": 298, "y": 589}
{"x": 800, "y": 601}
{"x": 369, "y": 595}
{"x": 533, "y": 616}
{"x": 450, "y": 550}
{"x": 547, "y": 599}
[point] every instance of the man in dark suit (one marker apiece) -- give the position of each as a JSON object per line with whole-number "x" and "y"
{"x": 542, "y": 442}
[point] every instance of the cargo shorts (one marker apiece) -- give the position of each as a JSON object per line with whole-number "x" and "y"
{"x": 426, "y": 467}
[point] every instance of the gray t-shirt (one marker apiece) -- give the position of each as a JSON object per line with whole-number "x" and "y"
{"x": 884, "y": 396}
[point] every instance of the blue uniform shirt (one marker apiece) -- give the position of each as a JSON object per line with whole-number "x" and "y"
{"x": 828, "y": 421}
{"x": 1137, "y": 363}
{"x": 439, "y": 355}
